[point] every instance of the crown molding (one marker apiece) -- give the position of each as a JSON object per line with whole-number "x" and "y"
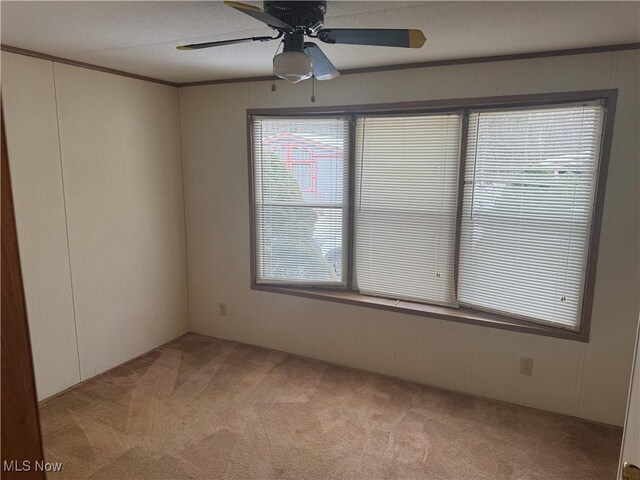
{"x": 350, "y": 71}
{"x": 90, "y": 66}
{"x": 443, "y": 63}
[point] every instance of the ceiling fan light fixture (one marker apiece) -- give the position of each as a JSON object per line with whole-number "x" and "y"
{"x": 293, "y": 66}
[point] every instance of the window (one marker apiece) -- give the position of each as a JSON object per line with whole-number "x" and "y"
{"x": 486, "y": 212}
{"x": 406, "y": 193}
{"x": 300, "y": 234}
{"x": 529, "y": 186}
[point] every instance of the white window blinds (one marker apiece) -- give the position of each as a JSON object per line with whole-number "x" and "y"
{"x": 530, "y": 178}
{"x": 406, "y": 191}
{"x": 300, "y": 185}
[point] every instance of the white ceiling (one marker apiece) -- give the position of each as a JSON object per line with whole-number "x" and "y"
{"x": 141, "y": 36}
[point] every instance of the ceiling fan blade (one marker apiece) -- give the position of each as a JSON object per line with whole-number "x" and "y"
{"x": 259, "y": 14}
{"x": 384, "y": 37}
{"x": 197, "y": 46}
{"x": 323, "y": 69}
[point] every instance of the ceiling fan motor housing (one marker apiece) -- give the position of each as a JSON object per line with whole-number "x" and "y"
{"x": 305, "y": 17}
{"x": 293, "y": 42}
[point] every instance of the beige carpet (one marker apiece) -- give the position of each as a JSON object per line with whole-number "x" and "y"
{"x": 204, "y": 408}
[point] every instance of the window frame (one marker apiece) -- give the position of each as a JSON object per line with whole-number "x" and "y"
{"x": 350, "y": 295}
{"x": 346, "y": 280}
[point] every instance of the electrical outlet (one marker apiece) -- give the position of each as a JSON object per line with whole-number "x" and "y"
{"x": 222, "y": 308}
{"x": 526, "y": 366}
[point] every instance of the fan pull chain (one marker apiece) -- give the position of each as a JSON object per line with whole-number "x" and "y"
{"x": 273, "y": 78}
{"x": 313, "y": 89}
{"x": 273, "y": 68}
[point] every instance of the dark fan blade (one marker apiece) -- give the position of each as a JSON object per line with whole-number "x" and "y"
{"x": 259, "y": 14}
{"x": 197, "y": 46}
{"x": 383, "y": 37}
{"x": 323, "y": 69}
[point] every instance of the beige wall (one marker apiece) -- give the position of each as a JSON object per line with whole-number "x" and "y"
{"x": 587, "y": 380}
{"x": 28, "y": 99}
{"x": 97, "y": 176}
{"x": 95, "y": 163}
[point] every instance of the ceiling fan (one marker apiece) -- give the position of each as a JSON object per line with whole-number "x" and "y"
{"x": 294, "y": 20}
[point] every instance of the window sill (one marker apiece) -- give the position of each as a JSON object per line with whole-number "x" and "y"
{"x": 460, "y": 315}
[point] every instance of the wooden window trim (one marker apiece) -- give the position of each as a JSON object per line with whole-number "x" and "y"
{"x": 350, "y": 296}
{"x": 459, "y": 315}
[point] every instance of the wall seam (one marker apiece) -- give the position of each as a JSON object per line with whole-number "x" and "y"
{"x": 578, "y": 392}
{"x": 66, "y": 220}
{"x": 184, "y": 209}
{"x": 256, "y": 319}
{"x": 395, "y": 345}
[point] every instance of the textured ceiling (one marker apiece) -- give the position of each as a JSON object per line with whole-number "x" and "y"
{"x": 140, "y": 37}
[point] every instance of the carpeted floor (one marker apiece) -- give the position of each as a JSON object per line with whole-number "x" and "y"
{"x": 204, "y": 408}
